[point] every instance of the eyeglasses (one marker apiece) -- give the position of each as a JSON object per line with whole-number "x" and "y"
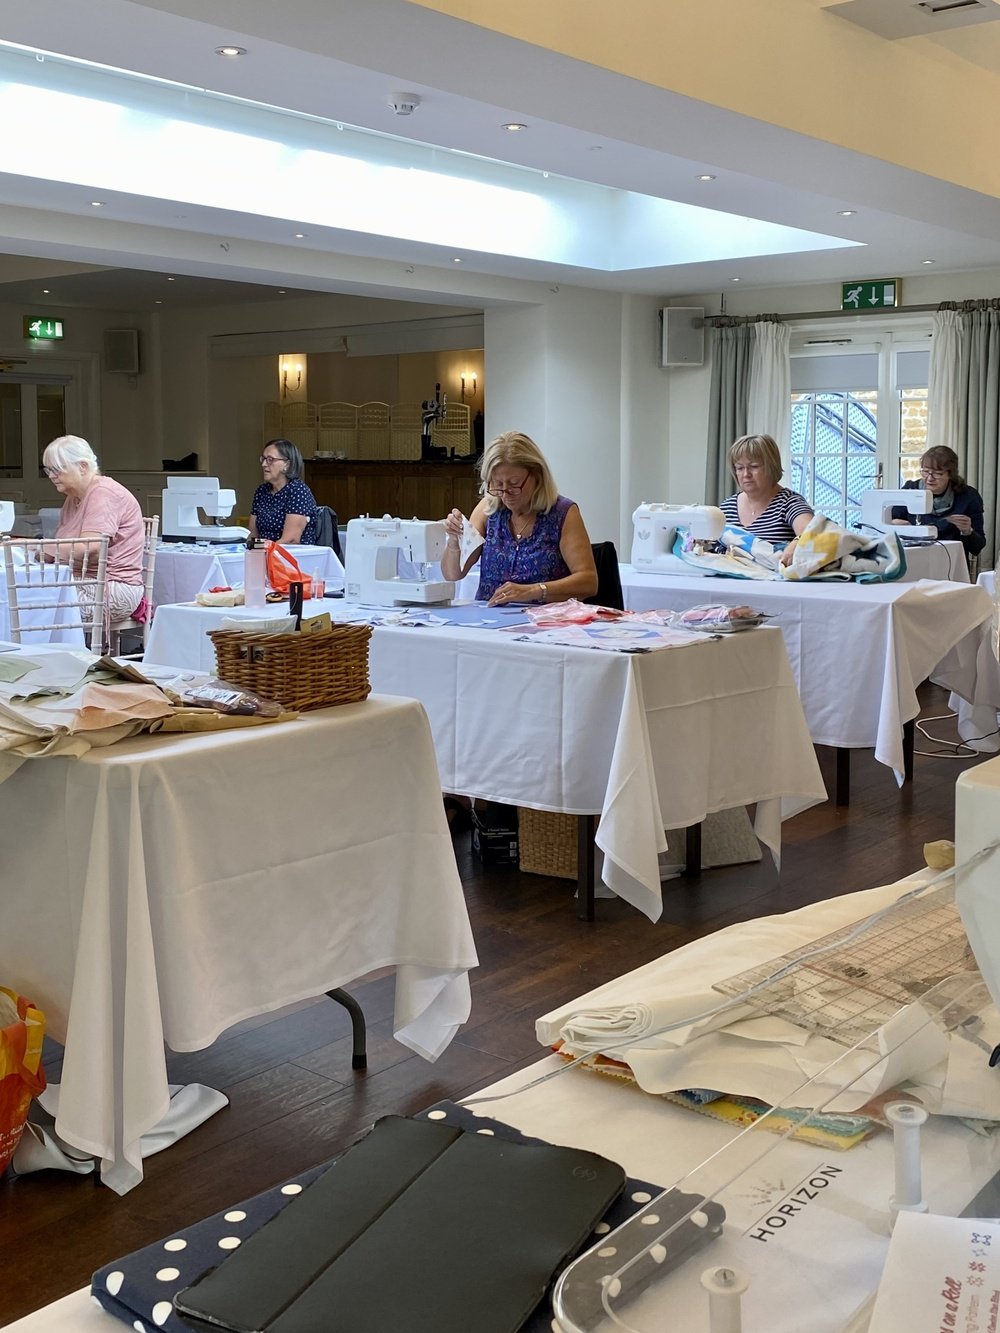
{"x": 747, "y": 467}
{"x": 52, "y": 472}
{"x": 510, "y": 488}
{"x": 934, "y": 472}
{"x": 266, "y": 459}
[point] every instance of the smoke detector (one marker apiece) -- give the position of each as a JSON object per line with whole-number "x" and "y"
{"x": 404, "y": 104}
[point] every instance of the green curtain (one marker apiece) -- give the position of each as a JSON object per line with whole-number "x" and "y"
{"x": 732, "y": 348}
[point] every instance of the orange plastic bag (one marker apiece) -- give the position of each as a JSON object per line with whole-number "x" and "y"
{"x": 283, "y": 570}
{"x": 21, "y": 1074}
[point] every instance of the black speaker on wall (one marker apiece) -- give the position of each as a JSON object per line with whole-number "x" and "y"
{"x": 683, "y": 339}
{"x": 121, "y": 351}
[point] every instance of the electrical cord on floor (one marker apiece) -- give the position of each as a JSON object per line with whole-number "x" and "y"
{"x": 956, "y": 747}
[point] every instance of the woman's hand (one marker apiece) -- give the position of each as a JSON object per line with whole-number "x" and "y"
{"x": 515, "y": 592}
{"x": 961, "y": 521}
{"x": 786, "y": 556}
{"x": 454, "y": 523}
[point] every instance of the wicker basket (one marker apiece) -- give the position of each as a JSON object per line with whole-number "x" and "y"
{"x": 547, "y": 843}
{"x": 301, "y": 671}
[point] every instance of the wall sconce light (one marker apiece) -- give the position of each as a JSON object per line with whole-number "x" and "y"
{"x": 469, "y": 382}
{"x": 297, "y": 384}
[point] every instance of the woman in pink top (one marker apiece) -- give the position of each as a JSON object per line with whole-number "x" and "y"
{"x": 96, "y": 506}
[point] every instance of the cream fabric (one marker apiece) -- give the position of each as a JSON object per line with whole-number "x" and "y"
{"x": 184, "y": 883}
{"x": 858, "y": 651}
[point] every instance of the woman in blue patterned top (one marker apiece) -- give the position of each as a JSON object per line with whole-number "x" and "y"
{"x": 535, "y": 546}
{"x": 760, "y": 505}
{"x": 283, "y": 508}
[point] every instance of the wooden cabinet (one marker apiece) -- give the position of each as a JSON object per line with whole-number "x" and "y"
{"x": 402, "y": 489}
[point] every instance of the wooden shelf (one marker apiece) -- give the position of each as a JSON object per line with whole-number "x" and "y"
{"x": 353, "y": 487}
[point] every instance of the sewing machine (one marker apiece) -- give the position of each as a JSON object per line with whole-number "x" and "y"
{"x": 6, "y": 516}
{"x": 387, "y": 559}
{"x": 655, "y": 528}
{"x": 877, "y": 507}
{"x": 181, "y": 500}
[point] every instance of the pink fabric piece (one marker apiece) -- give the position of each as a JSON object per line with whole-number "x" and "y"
{"x": 108, "y": 508}
{"x": 143, "y": 612}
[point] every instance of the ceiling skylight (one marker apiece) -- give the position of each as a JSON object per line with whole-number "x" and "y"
{"x": 110, "y": 131}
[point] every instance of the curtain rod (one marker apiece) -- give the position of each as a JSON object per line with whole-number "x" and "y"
{"x": 828, "y": 314}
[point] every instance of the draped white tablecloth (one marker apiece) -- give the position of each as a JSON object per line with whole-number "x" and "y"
{"x": 183, "y": 570}
{"x": 829, "y": 1255}
{"x": 858, "y": 650}
{"x": 177, "y": 884}
{"x": 978, "y": 709}
{"x": 647, "y": 741}
{"x": 936, "y": 560}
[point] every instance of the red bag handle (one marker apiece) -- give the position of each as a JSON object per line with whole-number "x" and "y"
{"x": 283, "y": 570}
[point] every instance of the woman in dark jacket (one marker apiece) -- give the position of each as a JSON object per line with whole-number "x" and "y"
{"x": 958, "y": 507}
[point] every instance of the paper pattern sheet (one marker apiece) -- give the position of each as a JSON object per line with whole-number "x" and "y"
{"x": 942, "y": 1273}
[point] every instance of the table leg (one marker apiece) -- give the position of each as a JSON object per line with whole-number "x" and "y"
{"x": 585, "y": 867}
{"x": 909, "y": 731}
{"x": 692, "y": 851}
{"x": 843, "y": 775}
{"x": 359, "y": 1055}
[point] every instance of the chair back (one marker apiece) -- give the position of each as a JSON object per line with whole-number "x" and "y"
{"x": 327, "y": 533}
{"x": 55, "y": 589}
{"x": 151, "y": 527}
{"x": 609, "y": 579}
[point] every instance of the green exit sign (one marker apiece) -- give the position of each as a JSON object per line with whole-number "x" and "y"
{"x": 43, "y": 327}
{"x": 872, "y": 294}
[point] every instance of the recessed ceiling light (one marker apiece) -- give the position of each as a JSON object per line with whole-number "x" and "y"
{"x": 456, "y": 260}
{"x": 282, "y": 291}
{"x": 96, "y": 203}
{"x": 927, "y": 261}
{"x": 846, "y": 212}
{"x": 735, "y": 279}
{"x": 157, "y": 302}
{"x": 513, "y": 126}
{"x": 230, "y": 50}
{"x": 300, "y": 235}
{"x": 596, "y": 148}
{"x": 171, "y": 280}
{"x": 705, "y": 177}
{"x": 45, "y": 291}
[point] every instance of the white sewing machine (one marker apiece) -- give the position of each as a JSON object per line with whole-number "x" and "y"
{"x": 877, "y": 507}
{"x": 181, "y": 500}
{"x": 6, "y": 516}
{"x": 655, "y": 527}
{"x": 387, "y": 559}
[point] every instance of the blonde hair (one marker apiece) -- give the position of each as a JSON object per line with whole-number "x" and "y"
{"x": 69, "y": 451}
{"x": 759, "y": 449}
{"x": 518, "y": 450}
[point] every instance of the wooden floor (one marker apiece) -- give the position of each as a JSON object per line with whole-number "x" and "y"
{"x": 295, "y": 1101}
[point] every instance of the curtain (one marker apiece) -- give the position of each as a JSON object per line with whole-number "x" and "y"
{"x": 769, "y": 410}
{"x": 732, "y": 348}
{"x": 943, "y": 381}
{"x": 973, "y": 428}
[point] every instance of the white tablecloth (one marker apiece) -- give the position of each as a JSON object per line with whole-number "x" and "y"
{"x": 662, "y": 1143}
{"x": 858, "y": 650}
{"x": 647, "y": 741}
{"x": 936, "y": 560}
{"x": 978, "y": 707}
{"x": 183, "y": 570}
{"x": 180, "y": 884}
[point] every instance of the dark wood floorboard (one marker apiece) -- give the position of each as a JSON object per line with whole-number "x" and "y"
{"x": 294, "y": 1099}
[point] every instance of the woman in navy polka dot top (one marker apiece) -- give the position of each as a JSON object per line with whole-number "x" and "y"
{"x": 283, "y": 508}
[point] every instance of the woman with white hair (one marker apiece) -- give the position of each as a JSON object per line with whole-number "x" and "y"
{"x": 96, "y": 506}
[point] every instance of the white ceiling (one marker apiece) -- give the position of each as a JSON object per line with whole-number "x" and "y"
{"x": 341, "y": 60}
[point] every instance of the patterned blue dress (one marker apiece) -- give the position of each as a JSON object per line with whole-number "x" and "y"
{"x": 534, "y": 559}
{"x": 270, "y": 508}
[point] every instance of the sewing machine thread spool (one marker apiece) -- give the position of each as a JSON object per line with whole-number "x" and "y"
{"x": 906, "y": 1119}
{"x": 725, "y": 1287}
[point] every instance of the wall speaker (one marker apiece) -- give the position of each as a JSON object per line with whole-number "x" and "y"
{"x": 683, "y": 340}
{"x": 121, "y": 351}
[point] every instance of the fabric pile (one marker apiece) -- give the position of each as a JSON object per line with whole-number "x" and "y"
{"x": 825, "y": 550}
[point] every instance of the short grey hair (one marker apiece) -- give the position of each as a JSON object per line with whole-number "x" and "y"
{"x": 69, "y": 451}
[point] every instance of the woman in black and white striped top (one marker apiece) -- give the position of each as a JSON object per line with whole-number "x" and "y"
{"x": 761, "y": 505}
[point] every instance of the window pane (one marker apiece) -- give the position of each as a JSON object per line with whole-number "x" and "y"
{"x": 833, "y": 449}
{"x": 51, "y": 413}
{"x": 912, "y": 432}
{"x": 10, "y": 430}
